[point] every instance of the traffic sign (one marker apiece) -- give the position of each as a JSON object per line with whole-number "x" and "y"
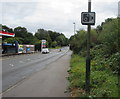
{"x": 88, "y": 18}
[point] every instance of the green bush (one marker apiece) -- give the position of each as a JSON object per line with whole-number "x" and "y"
{"x": 114, "y": 62}
{"x": 103, "y": 82}
{"x": 105, "y": 60}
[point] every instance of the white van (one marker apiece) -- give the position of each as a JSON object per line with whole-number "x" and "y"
{"x": 45, "y": 51}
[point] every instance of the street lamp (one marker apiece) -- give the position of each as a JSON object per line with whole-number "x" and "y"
{"x": 74, "y": 27}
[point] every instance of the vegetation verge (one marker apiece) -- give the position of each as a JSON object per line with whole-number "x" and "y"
{"x": 103, "y": 82}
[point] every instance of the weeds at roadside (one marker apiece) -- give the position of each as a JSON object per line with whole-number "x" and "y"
{"x": 103, "y": 82}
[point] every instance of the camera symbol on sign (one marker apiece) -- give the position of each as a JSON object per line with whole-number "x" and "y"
{"x": 87, "y": 17}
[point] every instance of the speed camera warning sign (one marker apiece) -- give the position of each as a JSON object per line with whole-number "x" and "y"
{"x": 88, "y": 18}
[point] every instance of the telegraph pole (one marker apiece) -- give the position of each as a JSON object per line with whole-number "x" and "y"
{"x": 88, "y": 60}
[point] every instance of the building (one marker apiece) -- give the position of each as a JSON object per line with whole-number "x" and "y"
{"x": 3, "y": 33}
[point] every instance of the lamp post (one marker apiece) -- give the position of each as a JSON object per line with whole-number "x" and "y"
{"x": 74, "y": 27}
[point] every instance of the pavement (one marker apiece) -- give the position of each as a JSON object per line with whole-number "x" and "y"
{"x": 49, "y": 82}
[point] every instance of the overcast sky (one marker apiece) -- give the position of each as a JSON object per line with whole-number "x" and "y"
{"x": 55, "y": 15}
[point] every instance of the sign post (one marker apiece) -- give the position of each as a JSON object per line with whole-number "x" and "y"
{"x": 88, "y": 18}
{"x": 43, "y": 44}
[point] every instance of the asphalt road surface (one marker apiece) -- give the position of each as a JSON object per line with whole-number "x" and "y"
{"x": 48, "y": 82}
{"x": 17, "y": 68}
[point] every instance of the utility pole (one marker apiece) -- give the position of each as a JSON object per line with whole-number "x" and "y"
{"x": 88, "y": 60}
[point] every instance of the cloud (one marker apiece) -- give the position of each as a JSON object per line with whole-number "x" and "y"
{"x": 56, "y": 15}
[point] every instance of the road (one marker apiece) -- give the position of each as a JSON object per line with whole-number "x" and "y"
{"x": 18, "y": 68}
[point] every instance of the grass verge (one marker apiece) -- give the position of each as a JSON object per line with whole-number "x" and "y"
{"x": 58, "y": 47}
{"x": 103, "y": 82}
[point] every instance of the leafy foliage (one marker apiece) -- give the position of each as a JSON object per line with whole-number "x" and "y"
{"x": 105, "y": 59}
{"x": 78, "y": 41}
{"x": 105, "y": 43}
{"x": 54, "y": 38}
{"x": 12, "y": 40}
{"x": 103, "y": 82}
{"x": 24, "y": 37}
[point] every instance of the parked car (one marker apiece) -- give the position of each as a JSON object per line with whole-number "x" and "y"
{"x": 45, "y": 51}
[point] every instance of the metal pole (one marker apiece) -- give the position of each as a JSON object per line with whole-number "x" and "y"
{"x": 88, "y": 54}
{"x": 74, "y": 28}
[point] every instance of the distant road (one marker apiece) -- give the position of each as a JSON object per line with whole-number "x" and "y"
{"x": 16, "y": 68}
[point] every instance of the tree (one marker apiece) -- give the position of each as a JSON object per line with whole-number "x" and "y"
{"x": 24, "y": 34}
{"x": 12, "y": 40}
{"x": 78, "y": 41}
{"x": 42, "y": 34}
{"x": 61, "y": 40}
{"x": 54, "y": 44}
{"x": 5, "y": 29}
{"x": 98, "y": 29}
{"x": 109, "y": 36}
{"x": 51, "y": 37}
{"x": 25, "y": 37}
{"x": 20, "y": 32}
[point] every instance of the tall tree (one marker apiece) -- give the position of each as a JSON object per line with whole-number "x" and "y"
{"x": 7, "y": 29}
{"x": 27, "y": 37}
{"x": 20, "y": 32}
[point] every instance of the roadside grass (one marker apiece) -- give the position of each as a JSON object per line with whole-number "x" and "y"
{"x": 77, "y": 76}
{"x": 103, "y": 82}
{"x": 57, "y": 47}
